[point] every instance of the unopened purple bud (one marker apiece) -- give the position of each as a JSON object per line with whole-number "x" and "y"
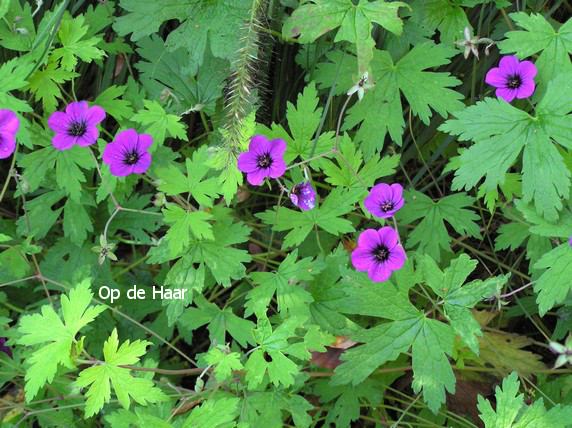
{"x": 303, "y": 196}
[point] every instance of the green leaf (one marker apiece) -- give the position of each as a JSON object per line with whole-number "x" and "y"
{"x": 44, "y": 85}
{"x": 183, "y": 224}
{"x": 69, "y": 176}
{"x": 432, "y": 341}
{"x": 368, "y": 172}
{"x": 459, "y": 298}
{"x": 538, "y": 35}
{"x": 140, "y": 416}
{"x": 120, "y": 109}
{"x": 219, "y": 322}
{"x": 183, "y": 276}
{"x": 225, "y": 160}
{"x": 431, "y": 235}
{"x": 71, "y": 32}
{"x": 160, "y": 124}
{"x": 190, "y": 86}
{"x": 203, "y": 189}
{"x": 77, "y": 222}
{"x": 12, "y": 75}
{"x": 312, "y": 20}
{"x": 273, "y": 344}
{"x": 327, "y": 216}
{"x": 380, "y": 111}
{"x": 555, "y": 283}
{"x": 216, "y": 22}
{"x": 432, "y": 371}
{"x": 500, "y": 132}
{"x": 303, "y": 122}
{"x": 224, "y": 363}
{"x": 292, "y": 297}
{"x": 56, "y": 338}
{"x": 214, "y": 413}
{"x": 99, "y": 378}
{"x": 41, "y": 217}
{"x": 511, "y": 411}
{"x": 447, "y": 16}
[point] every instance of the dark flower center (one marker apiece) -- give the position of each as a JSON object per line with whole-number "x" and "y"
{"x": 513, "y": 82}
{"x": 386, "y": 206}
{"x": 77, "y": 129}
{"x": 131, "y": 158}
{"x": 264, "y": 161}
{"x": 380, "y": 253}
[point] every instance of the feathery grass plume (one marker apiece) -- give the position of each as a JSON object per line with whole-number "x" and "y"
{"x": 240, "y": 103}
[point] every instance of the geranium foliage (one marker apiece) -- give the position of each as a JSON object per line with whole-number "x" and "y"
{"x": 244, "y": 213}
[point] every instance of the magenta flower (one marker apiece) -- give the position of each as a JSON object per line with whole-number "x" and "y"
{"x": 384, "y": 200}
{"x": 379, "y": 253}
{"x": 263, "y": 159}
{"x": 570, "y": 242}
{"x": 9, "y": 125}
{"x": 303, "y": 196}
{"x": 512, "y": 78}
{"x": 76, "y": 125}
{"x": 4, "y": 348}
{"x": 128, "y": 153}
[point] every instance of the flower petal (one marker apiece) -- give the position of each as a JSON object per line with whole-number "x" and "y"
{"x": 369, "y": 238}
{"x": 506, "y": 94}
{"x": 59, "y": 122}
{"x": 278, "y": 147}
{"x": 397, "y": 258}
{"x": 396, "y": 192}
{"x": 128, "y": 139}
{"x": 362, "y": 259}
{"x": 9, "y": 122}
{"x": 509, "y": 64}
{"x": 496, "y": 77}
{"x": 77, "y": 110}
{"x": 257, "y": 177}
{"x": 142, "y": 164}
{"x": 388, "y": 237}
{"x": 119, "y": 169}
{"x": 112, "y": 152}
{"x": 379, "y": 272}
{"x": 526, "y": 70}
{"x": 526, "y": 89}
{"x": 91, "y": 135}
{"x": 278, "y": 168}
{"x": 63, "y": 141}
{"x": 256, "y": 142}
{"x": 95, "y": 115}
{"x": 144, "y": 142}
{"x": 247, "y": 162}
{"x": 7, "y": 144}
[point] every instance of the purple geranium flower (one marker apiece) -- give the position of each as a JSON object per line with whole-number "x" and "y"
{"x": 76, "y": 125}
{"x": 512, "y": 78}
{"x": 4, "y": 348}
{"x": 263, "y": 159}
{"x": 128, "y": 153}
{"x": 303, "y": 196}
{"x": 379, "y": 253}
{"x": 384, "y": 200}
{"x": 9, "y": 124}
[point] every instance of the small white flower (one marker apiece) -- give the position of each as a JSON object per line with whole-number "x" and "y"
{"x": 471, "y": 42}
{"x": 361, "y": 86}
{"x": 564, "y": 352}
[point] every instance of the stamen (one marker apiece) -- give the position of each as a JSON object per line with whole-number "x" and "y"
{"x": 380, "y": 253}
{"x": 77, "y": 129}
{"x": 264, "y": 161}
{"x": 131, "y": 158}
